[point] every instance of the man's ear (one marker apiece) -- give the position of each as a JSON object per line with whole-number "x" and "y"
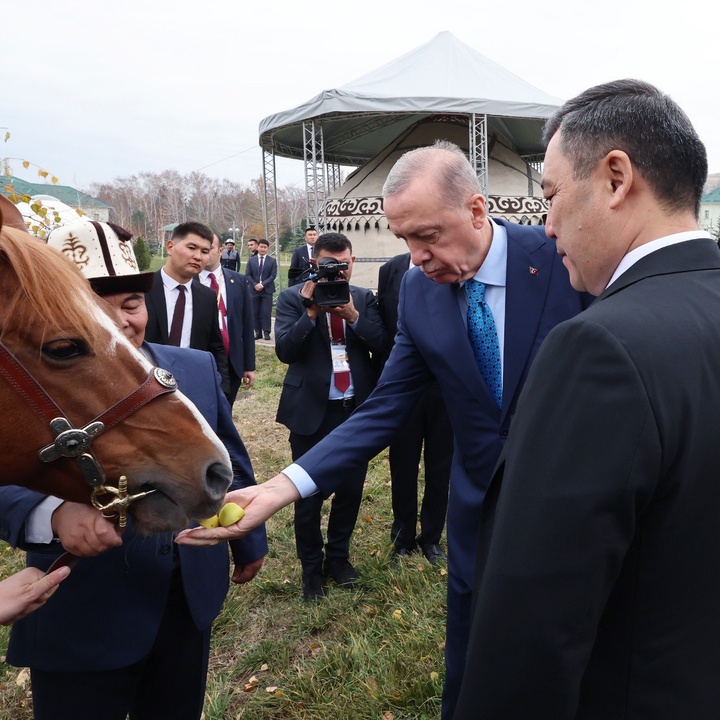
{"x": 619, "y": 176}
{"x": 478, "y": 210}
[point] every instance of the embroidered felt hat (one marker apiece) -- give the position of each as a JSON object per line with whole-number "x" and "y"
{"x": 104, "y": 254}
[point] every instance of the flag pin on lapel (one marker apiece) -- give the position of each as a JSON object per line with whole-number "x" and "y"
{"x": 533, "y": 270}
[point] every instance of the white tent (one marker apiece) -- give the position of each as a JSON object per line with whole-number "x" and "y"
{"x": 443, "y": 89}
{"x": 443, "y": 76}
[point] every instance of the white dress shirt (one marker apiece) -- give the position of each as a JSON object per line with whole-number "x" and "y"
{"x": 171, "y": 296}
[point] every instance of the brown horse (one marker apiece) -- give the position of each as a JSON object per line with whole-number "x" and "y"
{"x": 52, "y": 324}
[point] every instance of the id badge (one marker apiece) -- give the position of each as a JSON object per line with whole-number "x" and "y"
{"x": 339, "y": 356}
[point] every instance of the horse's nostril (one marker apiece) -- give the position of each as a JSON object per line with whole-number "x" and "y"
{"x": 218, "y": 478}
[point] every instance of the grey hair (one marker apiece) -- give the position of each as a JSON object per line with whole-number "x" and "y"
{"x": 455, "y": 176}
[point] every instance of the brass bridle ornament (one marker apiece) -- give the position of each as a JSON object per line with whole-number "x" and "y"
{"x": 74, "y": 442}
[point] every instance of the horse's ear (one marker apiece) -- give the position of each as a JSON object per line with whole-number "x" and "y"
{"x": 10, "y": 215}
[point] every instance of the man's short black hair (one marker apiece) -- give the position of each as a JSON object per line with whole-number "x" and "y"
{"x": 332, "y": 242}
{"x": 309, "y": 228}
{"x": 192, "y": 228}
{"x": 263, "y": 241}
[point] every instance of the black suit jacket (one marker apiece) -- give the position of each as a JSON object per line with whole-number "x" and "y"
{"x": 240, "y": 322}
{"x": 598, "y": 581}
{"x": 298, "y": 262}
{"x": 252, "y": 271}
{"x": 205, "y": 330}
{"x": 390, "y": 278}
{"x": 305, "y": 346}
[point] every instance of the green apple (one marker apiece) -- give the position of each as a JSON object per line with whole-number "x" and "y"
{"x": 229, "y": 514}
{"x": 211, "y": 522}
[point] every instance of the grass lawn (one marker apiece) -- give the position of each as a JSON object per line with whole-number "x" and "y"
{"x": 374, "y": 653}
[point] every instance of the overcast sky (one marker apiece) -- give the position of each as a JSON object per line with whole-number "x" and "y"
{"x": 94, "y": 90}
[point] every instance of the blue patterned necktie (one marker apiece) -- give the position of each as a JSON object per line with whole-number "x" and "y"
{"x": 484, "y": 338}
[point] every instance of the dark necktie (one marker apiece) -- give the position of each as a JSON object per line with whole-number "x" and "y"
{"x": 484, "y": 338}
{"x": 223, "y": 312}
{"x": 178, "y": 315}
{"x": 262, "y": 264}
{"x": 342, "y": 379}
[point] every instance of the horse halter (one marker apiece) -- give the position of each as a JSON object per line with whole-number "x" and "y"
{"x": 75, "y": 442}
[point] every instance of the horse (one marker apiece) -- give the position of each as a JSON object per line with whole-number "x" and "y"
{"x": 81, "y": 409}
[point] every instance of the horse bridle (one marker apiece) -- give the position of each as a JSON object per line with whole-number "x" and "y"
{"x": 74, "y": 442}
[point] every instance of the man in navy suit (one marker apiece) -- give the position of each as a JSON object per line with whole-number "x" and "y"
{"x": 235, "y": 318}
{"x": 433, "y": 201}
{"x": 131, "y": 632}
{"x": 261, "y": 271}
{"x": 301, "y": 257}
{"x": 182, "y": 312}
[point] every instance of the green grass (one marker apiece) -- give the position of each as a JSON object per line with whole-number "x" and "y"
{"x": 371, "y": 653}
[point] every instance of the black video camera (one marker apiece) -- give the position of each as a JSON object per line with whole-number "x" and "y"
{"x": 331, "y": 292}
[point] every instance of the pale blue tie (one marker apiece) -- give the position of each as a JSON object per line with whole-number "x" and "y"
{"x": 484, "y": 338}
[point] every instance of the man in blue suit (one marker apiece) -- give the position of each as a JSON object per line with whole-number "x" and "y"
{"x": 433, "y": 201}
{"x": 235, "y": 316}
{"x": 261, "y": 271}
{"x": 131, "y": 632}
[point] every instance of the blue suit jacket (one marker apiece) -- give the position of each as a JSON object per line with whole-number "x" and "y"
{"x": 432, "y": 342}
{"x": 108, "y": 611}
{"x": 241, "y": 326}
{"x": 252, "y": 270}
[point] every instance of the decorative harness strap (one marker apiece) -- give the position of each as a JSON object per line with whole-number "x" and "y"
{"x": 75, "y": 442}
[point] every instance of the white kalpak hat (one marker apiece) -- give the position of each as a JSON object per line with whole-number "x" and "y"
{"x": 104, "y": 254}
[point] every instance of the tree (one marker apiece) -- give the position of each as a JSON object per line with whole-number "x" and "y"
{"x": 141, "y": 254}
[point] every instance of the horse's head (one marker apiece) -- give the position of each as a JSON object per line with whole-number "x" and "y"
{"x": 52, "y": 323}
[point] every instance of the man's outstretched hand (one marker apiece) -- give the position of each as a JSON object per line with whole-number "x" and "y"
{"x": 259, "y": 503}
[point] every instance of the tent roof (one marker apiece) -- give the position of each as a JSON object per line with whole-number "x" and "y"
{"x": 444, "y": 76}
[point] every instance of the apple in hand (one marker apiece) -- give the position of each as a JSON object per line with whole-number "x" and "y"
{"x": 229, "y": 514}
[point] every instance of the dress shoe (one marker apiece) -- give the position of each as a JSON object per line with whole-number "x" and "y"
{"x": 433, "y": 553}
{"x": 313, "y": 585}
{"x": 342, "y": 572}
{"x": 267, "y": 336}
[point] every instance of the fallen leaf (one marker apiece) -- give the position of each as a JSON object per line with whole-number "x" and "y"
{"x": 271, "y": 688}
{"x": 387, "y": 715}
{"x": 434, "y": 676}
{"x": 23, "y": 678}
{"x": 263, "y": 667}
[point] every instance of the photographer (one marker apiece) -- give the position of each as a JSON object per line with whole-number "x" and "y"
{"x": 328, "y": 350}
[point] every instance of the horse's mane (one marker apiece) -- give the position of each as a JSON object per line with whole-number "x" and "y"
{"x": 49, "y": 288}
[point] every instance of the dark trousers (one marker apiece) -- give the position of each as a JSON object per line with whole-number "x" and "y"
{"x": 262, "y": 312}
{"x": 235, "y": 383}
{"x": 344, "y": 507}
{"x": 429, "y": 423}
{"x": 167, "y": 684}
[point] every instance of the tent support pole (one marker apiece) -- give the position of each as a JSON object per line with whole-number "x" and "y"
{"x": 478, "y": 155}
{"x": 270, "y": 205}
{"x": 315, "y": 192}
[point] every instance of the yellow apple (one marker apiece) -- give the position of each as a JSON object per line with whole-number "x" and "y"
{"x": 211, "y": 522}
{"x": 230, "y": 514}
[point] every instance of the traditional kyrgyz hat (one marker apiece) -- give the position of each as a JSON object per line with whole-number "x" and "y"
{"x": 229, "y": 242}
{"x": 104, "y": 254}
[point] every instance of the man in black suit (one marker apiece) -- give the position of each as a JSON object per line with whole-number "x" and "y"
{"x": 182, "y": 312}
{"x": 235, "y": 318}
{"x": 301, "y": 257}
{"x": 331, "y": 371}
{"x": 598, "y": 586}
{"x": 261, "y": 271}
{"x": 429, "y": 425}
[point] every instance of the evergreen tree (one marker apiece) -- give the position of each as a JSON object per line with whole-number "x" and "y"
{"x": 141, "y": 254}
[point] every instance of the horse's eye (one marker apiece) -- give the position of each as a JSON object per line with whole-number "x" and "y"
{"x": 64, "y": 349}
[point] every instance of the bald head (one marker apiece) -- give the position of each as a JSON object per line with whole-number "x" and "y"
{"x": 454, "y": 177}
